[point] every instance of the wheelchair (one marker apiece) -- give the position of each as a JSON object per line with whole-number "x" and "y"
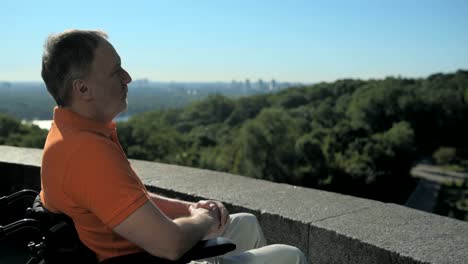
{"x": 52, "y": 238}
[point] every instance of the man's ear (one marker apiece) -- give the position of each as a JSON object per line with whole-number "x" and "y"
{"x": 80, "y": 90}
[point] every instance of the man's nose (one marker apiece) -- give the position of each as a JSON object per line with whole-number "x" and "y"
{"x": 127, "y": 77}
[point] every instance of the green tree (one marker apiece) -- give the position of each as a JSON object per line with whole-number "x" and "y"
{"x": 267, "y": 147}
{"x": 312, "y": 166}
{"x": 13, "y": 133}
{"x": 445, "y": 155}
{"x": 215, "y": 109}
{"x": 247, "y": 108}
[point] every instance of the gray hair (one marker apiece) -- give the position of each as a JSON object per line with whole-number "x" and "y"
{"x": 68, "y": 56}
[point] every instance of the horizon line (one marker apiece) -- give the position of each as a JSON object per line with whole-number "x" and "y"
{"x": 254, "y": 80}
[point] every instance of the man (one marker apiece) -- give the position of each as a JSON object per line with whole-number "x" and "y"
{"x": 86, "y": 175}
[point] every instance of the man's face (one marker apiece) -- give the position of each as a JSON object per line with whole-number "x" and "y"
{"x": 107, "y": 81}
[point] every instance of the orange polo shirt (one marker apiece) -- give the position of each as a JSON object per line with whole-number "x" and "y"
{"x": 86, "y": 175}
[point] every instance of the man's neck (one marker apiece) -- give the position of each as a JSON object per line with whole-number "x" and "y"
{"x": 89, "y": 113}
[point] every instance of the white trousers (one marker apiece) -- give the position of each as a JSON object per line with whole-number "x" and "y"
{"x": 246, "y": 232}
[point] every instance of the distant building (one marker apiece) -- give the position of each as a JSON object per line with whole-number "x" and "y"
{"x": 261, "y": 85}
{"x": 272, "y": 86}
{"x": 247, "y": 86}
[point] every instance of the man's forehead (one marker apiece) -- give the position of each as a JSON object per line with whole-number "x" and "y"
{"x": 106, "y": 52}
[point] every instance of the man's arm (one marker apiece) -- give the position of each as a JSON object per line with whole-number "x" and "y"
{"x": 160, "y": 236}
{"x": 172, "y": 208}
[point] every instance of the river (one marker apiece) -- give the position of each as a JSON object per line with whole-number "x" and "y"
{"x": 45, "y": 124}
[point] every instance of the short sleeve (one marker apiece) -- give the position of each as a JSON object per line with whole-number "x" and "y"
{"x": 101, "y": 180}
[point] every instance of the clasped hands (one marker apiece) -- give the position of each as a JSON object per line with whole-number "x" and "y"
{"x": 220, "y": 212}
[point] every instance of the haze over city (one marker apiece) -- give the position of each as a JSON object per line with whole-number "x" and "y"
{"x": 292, "y": 41}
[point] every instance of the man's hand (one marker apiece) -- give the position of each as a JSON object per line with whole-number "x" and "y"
{"x": 212, "y": 216}
{"x": 223, "y": 214}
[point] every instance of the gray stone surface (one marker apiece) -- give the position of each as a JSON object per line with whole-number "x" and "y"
{"x": 328, "y": 227}
{"x": 403, "y": 231}
{"x": 282, "y": 199}
{"x": 24, "y": 156}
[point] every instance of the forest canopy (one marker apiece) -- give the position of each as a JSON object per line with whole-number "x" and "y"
{"x": 350, "y": 136}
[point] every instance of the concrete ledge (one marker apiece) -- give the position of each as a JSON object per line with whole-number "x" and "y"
{"x": 328, "y": 227}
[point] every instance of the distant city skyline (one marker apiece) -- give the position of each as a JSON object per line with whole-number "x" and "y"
{"x": 289, "y": 41}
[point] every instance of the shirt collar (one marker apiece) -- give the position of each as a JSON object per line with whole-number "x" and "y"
{"x": 64, "y": 116}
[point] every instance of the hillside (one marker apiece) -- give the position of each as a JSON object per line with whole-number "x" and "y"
{"x": 351, "y": 136}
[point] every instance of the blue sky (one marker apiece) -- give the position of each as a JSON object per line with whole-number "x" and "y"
{"x": 289, "y": 40}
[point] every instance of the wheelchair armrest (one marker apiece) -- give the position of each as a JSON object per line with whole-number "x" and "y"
{"x": 6, "y": 200}
{"x": 19, "y": 225}
{"x": 209, "y": 248}
{"x": 203, "y": 249}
